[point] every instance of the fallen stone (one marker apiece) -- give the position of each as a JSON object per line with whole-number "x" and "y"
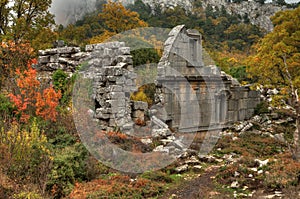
{"x": 262, "y": 162}
{"x": 146, "y": 141}
{"x": 197, "y": 168}
{"x": 182, "y": 168}
{"x": 234, "y": 184}
{"x": 159, "y": 122}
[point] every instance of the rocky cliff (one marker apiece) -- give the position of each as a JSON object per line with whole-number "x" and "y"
{"x": 257, "y": 13}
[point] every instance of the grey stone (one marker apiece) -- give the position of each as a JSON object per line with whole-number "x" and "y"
{"x": 54, "y": 58}
{"x": 124, "y": 50}
{"x": 182, "y": 168}
{"x": 140, "y": 105}
{"x": 159, "y": 123}
{"x": 43, "y": 59}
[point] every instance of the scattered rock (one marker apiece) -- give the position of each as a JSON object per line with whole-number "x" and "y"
{"x": 234, "y": 184}
{"x": 262, "y": 162}
{"x": 182, "y": 168}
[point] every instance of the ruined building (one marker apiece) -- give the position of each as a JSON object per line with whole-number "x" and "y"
{"x": 193, "y": 95}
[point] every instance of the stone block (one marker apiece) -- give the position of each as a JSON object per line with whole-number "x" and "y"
{"x": 50, "y": 51}
{"x": 249, "y": 113}
{"x": 117, "y": 95}
{"x": 125, "y": 59}
{"x": 241, "y": 114}
{"x": 112, "y": 78}
{"x": 54, "y": 58}
{"x": 44, "y": 59}
{"x": 254, "y": 94}
{"x": 243, "y": 103}
{"x": 124, "y": 51}
{"x": 68, "y": 50}
{"x": 140, "y": 105}
{"x": 120, "y": 81}
{"x": 233, "y": 105}
{"x": 108, "y": 52}
{"x": 115, "y": 88}
{"x": 54, "y": 66}
{"x": 101, "y": 115}
{"x": 106, "y": 61}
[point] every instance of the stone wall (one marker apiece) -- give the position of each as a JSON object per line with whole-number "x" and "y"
{"x": 110, "y": 68}
{"x": 202, "y": 93}
{"x": 192, "y": 94}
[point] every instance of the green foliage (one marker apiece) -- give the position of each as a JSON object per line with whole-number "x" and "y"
{"x": 64, "y": 83}
{"x": 157, "y": 176}
{"x": 59, "y": 79}
{"x": 239, "y": 73}
{"x": 27, "y": 195}
{"x": 277, "y": 59}
{"x": 143, "y": 9}
{"x": 29, "y": 156}
{"x": 26, "y": 20}
{"x": 261, "y": 108}
{"x": 141, "y": 50}
{"x": 144, "y": 56}
{"x": 68, "y": 167}
{"x": 6, "y": 107}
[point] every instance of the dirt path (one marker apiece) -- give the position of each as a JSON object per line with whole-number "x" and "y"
{"x": 199, "y": 188}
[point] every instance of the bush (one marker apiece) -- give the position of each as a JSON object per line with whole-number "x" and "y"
{"x": 283, "y": 173}
{"x": 63, "y": 83}
{"x": 69, "y": 166}
{"x": 261, "y": 108}
{"x": 27, "y": 154}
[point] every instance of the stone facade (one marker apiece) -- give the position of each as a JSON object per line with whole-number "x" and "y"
{"x": 202, "y": 93}
{"x": 191, "y": 95}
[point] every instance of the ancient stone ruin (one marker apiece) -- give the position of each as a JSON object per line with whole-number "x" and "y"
{"x": 194, "y": 95}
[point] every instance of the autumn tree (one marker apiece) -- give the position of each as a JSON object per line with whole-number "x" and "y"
{"x": 13, "y": 56}
{"x": 277, "y": 61}
{"x": 118, "y": 19}
{"x": 24, "y": 19}
{"x": 30, "y": 99}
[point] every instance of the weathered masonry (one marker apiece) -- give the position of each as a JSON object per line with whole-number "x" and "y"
{"x": 195, "y": 94}
{"x": 183, "y": 77}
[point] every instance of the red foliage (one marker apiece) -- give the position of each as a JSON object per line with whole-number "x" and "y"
{"x": 31, "y": 100}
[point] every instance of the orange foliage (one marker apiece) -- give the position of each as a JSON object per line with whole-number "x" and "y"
{"x": 119, "y": 186}
{"x": 30, "y": 100}
{"x": 118, "y": 135}
{"x": 13, "y": 56}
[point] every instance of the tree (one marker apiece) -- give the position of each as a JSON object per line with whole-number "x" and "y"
{"x": 118, "y": 19}
{"x": 143, "y": 9}
{"x": 31, "y": 100}
{"x": 24, "y": 19}
{"x": 277, "y": 61}
{"x": 13, "y": 56}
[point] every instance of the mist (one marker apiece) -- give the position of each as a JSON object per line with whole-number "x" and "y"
{"x": 69, "y": 11}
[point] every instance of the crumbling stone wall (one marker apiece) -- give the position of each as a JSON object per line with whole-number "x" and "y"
{"x": 195, "y": 95}
{"x": 110, "y": 67}
{"x": 182, "y": 74}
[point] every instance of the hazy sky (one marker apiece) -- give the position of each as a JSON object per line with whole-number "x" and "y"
{"x": 66, "y": 10}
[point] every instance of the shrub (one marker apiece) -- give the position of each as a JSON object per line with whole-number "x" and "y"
{"x": 27, "y": 153}
{"x": 31, "y": 100}
{"x": 261, "y": 108}
{"x": 69, "y": 166}
{"x": 62, "y": 82}
{"x": 118, "y": 186}
{"x": 283, "y": 172}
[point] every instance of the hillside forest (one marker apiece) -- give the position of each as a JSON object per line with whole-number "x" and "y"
{"x": 42, "y": 156}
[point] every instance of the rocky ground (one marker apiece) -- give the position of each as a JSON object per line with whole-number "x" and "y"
{"x": 251, "y": 160}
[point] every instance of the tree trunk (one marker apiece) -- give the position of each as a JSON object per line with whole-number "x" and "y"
{"x": 297, "y": 132}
